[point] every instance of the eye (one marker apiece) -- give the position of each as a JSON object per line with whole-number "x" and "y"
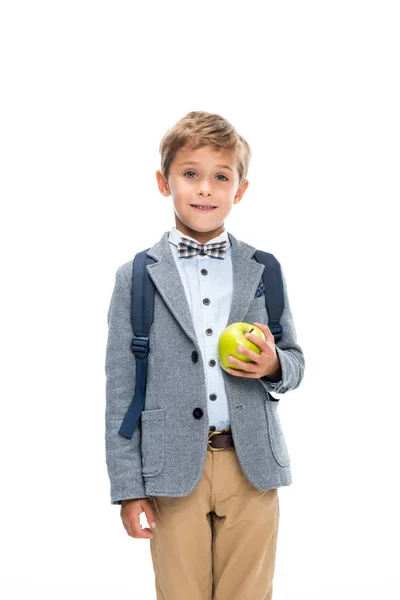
{"x": 186, "y": 173}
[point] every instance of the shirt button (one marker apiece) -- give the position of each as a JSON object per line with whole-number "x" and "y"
{"x": 212, "y": 363}
{"x": 204, "y": 272}
{"x": 209, "y": 331}
{"x": 206, "y": 301}
{"x": 212, "y": 428}
{"x": 213, "y": 396}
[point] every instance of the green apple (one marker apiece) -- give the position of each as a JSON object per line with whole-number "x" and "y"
{"x": 231, "y": 338}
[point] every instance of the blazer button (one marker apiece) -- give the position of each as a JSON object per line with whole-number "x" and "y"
{"x": 198, "y": 413}
{"x": 195, "y": 356}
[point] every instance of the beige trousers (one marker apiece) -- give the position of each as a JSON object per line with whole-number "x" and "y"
{"x": 218, "y": 543}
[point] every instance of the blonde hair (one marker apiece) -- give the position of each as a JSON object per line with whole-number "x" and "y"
{"x": 200, "y": 129}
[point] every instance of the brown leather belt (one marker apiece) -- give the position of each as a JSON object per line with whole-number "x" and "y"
{"x": 220, "y": 440}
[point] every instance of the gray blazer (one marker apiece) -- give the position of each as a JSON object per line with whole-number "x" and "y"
{"x": 156, "y": 461}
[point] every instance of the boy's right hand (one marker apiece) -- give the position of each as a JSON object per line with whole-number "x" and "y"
{"x": 130, "y": 511}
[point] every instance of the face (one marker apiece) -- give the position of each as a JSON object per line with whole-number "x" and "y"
{"x": 202, "y": 176}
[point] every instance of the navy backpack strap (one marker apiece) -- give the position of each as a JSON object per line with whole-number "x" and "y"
{"x": 273, "y": 284}
{"x": 142, "y": 316}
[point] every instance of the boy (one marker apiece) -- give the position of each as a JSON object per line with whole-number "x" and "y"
{"x": 210, "y": 454}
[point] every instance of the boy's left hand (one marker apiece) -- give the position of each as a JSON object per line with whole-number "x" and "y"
{"x": 266, "y": 363}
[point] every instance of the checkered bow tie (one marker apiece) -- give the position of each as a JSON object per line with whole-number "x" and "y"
{"x": 188, "y": 248}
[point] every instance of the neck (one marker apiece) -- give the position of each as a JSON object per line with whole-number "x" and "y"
{"x": 200, "y": 236}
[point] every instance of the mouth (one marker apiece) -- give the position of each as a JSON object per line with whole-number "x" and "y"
{"x": 203, "y": 207}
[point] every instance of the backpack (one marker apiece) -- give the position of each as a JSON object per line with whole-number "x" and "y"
{"x": 142, "y": 316}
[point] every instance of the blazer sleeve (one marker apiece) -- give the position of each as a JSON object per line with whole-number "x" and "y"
{"x": 289, "y": 352}
{"x": 123, "y": 456}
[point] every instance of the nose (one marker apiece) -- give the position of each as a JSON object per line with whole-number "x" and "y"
{"x": 204, "y": 189}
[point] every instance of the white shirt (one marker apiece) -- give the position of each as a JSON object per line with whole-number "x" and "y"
{"x": 212, "y": 278}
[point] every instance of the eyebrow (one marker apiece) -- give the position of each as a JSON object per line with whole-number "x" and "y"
{"x": 193, "y": 162}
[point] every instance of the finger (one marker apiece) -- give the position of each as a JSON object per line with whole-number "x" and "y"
{"x": 135, "y": 528}
{"x": 151, "y": 519}
{"x": 142, "y": 532}
{"x": 256, "y": 340}
{"x": 232, "y": 371}
{"x": 264, "y": 344}
{"x": 243, "y": 365}
{"x": 127, "y": 526}
{"x": 266, "y": 331}
{"x": 247, "y": 352}
{"x": 146, "y": 533}
{"x": 242, "y": 374}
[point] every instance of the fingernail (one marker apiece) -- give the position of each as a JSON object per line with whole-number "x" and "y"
{"x": 240, "y": 348}
{"x": 153, "y": 525}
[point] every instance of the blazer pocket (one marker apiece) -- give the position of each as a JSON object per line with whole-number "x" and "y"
{"x": 257, "y": 303}
{"x": 153, "y": 442}
{"x": 257, "y": 311}
{"x": 276, "y": 437}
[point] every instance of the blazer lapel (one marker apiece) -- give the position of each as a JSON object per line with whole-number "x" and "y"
{"x": 167, "y": 280}
{"x": 246, "y": 277}
{"x": 165, "y": 275}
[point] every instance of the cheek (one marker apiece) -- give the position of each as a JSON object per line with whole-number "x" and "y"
{"x": 183, "y": 191}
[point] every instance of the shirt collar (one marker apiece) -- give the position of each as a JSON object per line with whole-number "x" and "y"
{"x": 175, "y": 235}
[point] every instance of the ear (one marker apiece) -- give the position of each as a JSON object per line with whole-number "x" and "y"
{"x": 162, "y": 183}
{"x": 241, "y": 190}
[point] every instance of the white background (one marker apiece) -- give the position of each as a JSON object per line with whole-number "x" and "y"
{"x": 87, "y": 91}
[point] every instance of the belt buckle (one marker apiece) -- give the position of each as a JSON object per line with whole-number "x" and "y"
{"x": 211, "y": 433}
